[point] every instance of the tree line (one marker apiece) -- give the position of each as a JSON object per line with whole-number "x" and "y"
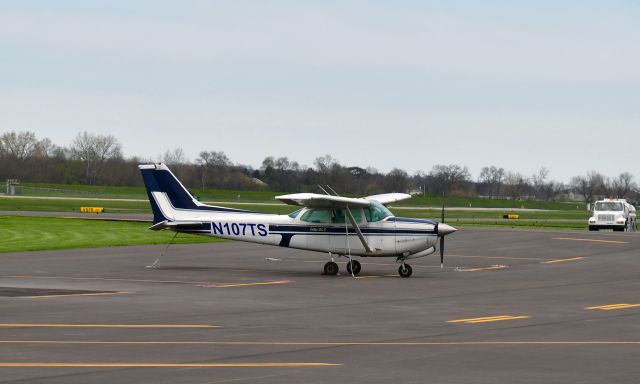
{"x": 96, "y": 159}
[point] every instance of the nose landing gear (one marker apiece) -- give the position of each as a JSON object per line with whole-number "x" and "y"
{"x": 405, "y": 270}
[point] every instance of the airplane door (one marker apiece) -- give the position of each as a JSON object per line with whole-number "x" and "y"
{"x": 338, "y": 236}
{"x": 375, "y": 235}
{"x": 381, "y": 233}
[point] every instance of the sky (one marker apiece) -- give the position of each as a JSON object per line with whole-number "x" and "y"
{"x": 383, "y": 84}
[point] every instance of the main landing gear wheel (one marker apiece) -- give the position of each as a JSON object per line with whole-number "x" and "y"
{"x": 357, "y": 267}
{"x": 331, "y": 268}
{"x": 405, "y": 270}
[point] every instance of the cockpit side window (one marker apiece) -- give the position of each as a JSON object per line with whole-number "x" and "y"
{"x": 338, "y": 215}
{"x": 316, "y": 216}
{"x": 376, "y": 212}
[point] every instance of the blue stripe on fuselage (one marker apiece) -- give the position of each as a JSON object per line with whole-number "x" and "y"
{"x": 333, "y": 230}
{"x": 411, "y": 220}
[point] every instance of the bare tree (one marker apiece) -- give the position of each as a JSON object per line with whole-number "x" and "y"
{"x": 45, "y": 149}
{"x": 622, "y": 185}
{"x": 212, "y": 163}
{"x": 539, "y": 181}
{"x": 516, "y": 184}
{"x": 588, "y": 186}
{"x": 20, "y": 146}
{"x": 493, "y": 177}
{"x": 174, "y": 157}
{"x": 94, "y": 150}
{"x": 396, "y": 180}
{"x": 447, "y": 177}
{"x": 326, "y": 163}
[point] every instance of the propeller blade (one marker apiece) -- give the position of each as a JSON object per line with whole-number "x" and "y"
{"x": 442, "y": 240}
{"x": 441, "y": 251}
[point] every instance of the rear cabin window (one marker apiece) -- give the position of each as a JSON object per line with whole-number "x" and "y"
{"x": 316, "y": 216}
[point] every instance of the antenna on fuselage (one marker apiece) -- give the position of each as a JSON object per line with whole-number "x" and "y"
{"x": 324, "y": 190}
{"x": 334, "y": 192}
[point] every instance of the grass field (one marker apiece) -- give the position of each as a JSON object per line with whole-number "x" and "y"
{"x": 43, "y": 233}
{"x": 102, "y": 192}
{"x": 24, "y": 234}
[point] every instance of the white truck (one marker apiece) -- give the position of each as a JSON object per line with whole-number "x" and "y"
{"x": 614, "y": 214}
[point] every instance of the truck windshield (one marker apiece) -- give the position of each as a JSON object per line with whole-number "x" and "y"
{"x": 608, "y": 206}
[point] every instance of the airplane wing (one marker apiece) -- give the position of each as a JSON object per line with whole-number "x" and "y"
{"x": 314, "y": 200}
{"x": 388, "y": 198}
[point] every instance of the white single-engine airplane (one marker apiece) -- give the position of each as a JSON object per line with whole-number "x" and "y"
{"x": 337, "y": 225}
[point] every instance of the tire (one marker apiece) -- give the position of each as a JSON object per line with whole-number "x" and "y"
{"x": 405, "y": 270}
{"x": 357, "y": 267}
{"x": 331, "y": 268}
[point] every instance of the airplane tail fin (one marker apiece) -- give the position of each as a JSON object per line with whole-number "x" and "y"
{"x": 161, "y": 182}
{"x": 169, "y": 199}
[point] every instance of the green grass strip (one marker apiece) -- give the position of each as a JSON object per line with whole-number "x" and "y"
{"x": 19, "y": 234}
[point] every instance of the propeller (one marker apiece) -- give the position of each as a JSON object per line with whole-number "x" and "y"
{"x": 443, "y": 230}
{"x": 442, "y": 241}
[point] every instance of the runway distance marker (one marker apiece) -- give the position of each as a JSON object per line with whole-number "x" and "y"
{"x": 591, "y": 240}
{"x": 489, "y": 319}
{"x": 612, "y": 307}
{"x": 562, "y": 260}
{"x": 33, "y": 325}
{"x": 166, "y": 365}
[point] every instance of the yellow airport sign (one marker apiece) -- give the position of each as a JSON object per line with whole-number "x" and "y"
{"x": 91, "y": 210}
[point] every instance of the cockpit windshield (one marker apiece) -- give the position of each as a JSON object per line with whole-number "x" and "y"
{"x": 376, "y": 212}
{"x": 608, "y": 206}
{"x": 295, "y": 213}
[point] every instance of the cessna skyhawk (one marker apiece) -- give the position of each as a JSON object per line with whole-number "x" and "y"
{"x": 337, "y": 225}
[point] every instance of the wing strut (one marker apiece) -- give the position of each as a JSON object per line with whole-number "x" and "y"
{"x": 358, "y": 231}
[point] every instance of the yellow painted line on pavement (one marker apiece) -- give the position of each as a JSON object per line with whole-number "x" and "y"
{"x": 167, "y": 365}
{"x": 476, "y": 320}
{"x": 74, "y": 294}
{"x": 458, "y": 269}
{"x": 591, "y": 240}
{"x": 102, "y": 279}
{"x": 497, "y": 257}
{"x": 199, "y": 283}
{"x": 231, "y": 285}
{"x": 29, "y": 325}
{"x": 331, "y": 344}
{"x": 562, "y": 260}
{"x": 611, "y": 307}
